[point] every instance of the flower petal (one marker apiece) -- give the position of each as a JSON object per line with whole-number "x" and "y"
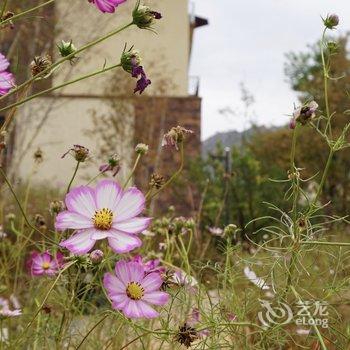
{"x": 67, "y": 219}
{"x": 81, "y": 200}
{"x": 152, "y": 282}
{"x": 122, "y": 242}
{"x": 113, "y": 285}
{"x": 80, "y": 243}
{"x": 134, "y": 225}
{"x": 130, "y": 205}
{"x": 156, "y": 298}
{"x": 119, "y": 301}
{"x": 139, "y": 309}
{"x": 108, "y": 194}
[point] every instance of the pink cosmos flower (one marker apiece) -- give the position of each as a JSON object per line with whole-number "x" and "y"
{"x": 132, "y": 290}
{"x": 6, "y": 79}
{"x": 40, "y": 264}
{"x": 104, "y": 212}
{"x": 108, "y": 6}
{"x": 5, "y": 310}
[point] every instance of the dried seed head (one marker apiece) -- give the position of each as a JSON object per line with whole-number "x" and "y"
{"x": 80, "y": 153}
{"x": 56, "y": 207}
{"x": 186, "y": 335}
{"x": 157, "y": 181}
{"x": 39, "y": 64}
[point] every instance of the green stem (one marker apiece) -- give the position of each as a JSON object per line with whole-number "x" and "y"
{"x": 337, "y": 244}
{"x": 68, "y": 57}
{"x": 132, "y": 171}
{"x": 319, "y": 336}
{"x": 13, "y": 18}
{"x": 324, "y": 176}
{"x": 100, "y": 71}
{"x": 325, "y": 84}
{"x": 73, "y": 177}
{"x": 3, "y": 9}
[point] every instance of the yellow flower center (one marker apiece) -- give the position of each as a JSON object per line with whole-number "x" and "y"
{"x": 134, "y": 291}
{"x": 46, "y": 265}
{"x": 103, "y": 219}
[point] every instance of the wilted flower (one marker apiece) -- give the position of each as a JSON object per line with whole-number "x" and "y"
{"x": 182, "y": 279}
{"x": 108, "y": 6}
{"x": 7, "y": 80}
{"x": 305, "y": 113}
{"x": 40, "y": 222}
{"x": 39, "y": 64}
{"x": 143, "y": 16}
{"x": 141, "y": 148}
{"x": 186, "y": 335}
{"x": 67, "y": 48}
{"x": 149, "y": 266}
{"x": 56, "y": 207}
{"x": 40, "y": 264}
{"x": 80, "y": 153}
{"x": 131, "y": 63}
{"x": 113, "y": 165}
{"x": 175, "y": 136}
{"x": 131, "y": 290}
{"x": 331, "y": 21}
{"x": 107, "y": 211}
{"x": 7, "y": 16}
{"x": 38, "y": 156}
{"x": 157, "y": 181}
{"x": 96, "y": 256}
{"x": 5, "y": 310}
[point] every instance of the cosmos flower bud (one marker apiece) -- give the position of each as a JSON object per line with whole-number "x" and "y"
{"x": 144, "y": 17}
{"x": 39, "y": 64}
{"x": 331, "y": 21}
{"x": 230, "y": 230}
{"x": 333, "y": 47}
{"x": 66, "y": 48}
{"x": 96, "y": 256}
{"x": 10, "y": 217}
{"x": 141, "y": 149}
{"x": 56, "y": 207}
{"x": 80, "y": 153}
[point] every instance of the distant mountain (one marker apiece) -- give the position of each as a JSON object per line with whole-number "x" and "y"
{"x": 230, "y": 138}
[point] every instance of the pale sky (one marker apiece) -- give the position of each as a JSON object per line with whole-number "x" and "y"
{"x": 246, "y": 42}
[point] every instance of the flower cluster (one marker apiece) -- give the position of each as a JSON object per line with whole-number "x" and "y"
{"x": 132, "y": 289}
{"x": 107, "y": 6}
{"x": 7, "y": 81}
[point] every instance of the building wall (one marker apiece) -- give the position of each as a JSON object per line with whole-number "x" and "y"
{"x": 55, "y": 123}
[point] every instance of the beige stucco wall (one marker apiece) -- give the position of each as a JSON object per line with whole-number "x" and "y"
{"x": 64, "y": 121}
{"x": 165, "y": 55}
